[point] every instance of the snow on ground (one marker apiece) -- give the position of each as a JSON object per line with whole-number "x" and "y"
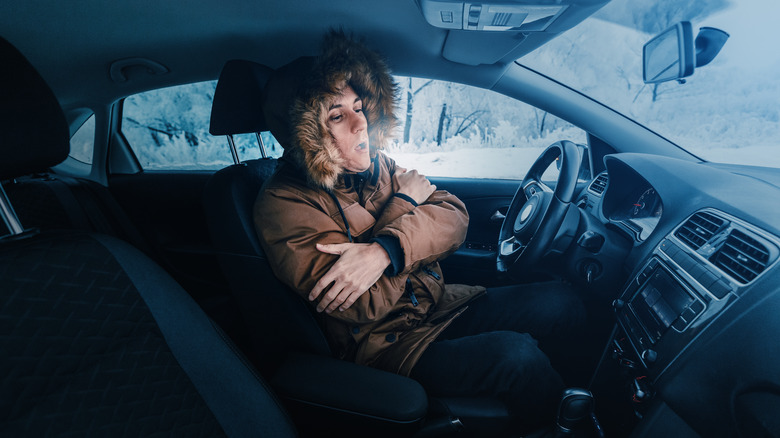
{"x": 513, "y": 163}
{"x": 504, "y": 163}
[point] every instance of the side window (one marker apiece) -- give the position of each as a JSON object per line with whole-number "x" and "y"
{"x": 455, "y": 130}
{"x": 169, "y": 129}
{"x": 82, "y": 142}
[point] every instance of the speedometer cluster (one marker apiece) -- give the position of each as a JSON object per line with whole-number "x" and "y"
{"x": 646, "y": 206}
{"x": 645, "y": 213}
{"x": 631, "y": 202}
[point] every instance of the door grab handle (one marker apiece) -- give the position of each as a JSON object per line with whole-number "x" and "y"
{"x": 497, "y": 216}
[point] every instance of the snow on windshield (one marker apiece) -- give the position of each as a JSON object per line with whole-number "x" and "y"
{"x": 728, "y": 111}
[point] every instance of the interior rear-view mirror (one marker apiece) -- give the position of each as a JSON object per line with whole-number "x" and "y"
{"x": 674, "y": 53}
{"x": 670, "y": 55}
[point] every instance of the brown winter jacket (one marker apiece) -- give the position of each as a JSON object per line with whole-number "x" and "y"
{"x": 300, "y": 206}
{"x": 383, "y": 328}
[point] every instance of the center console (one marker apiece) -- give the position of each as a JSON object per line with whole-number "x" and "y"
{"x": 692, "y": 276}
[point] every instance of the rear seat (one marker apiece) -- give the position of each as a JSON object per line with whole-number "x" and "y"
{"x": 49, "y": 202}
{"x": 54, "y": 202}
{"x": 97, "y": 339}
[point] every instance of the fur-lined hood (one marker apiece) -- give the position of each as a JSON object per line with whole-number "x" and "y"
{"x": 297, "y": 94}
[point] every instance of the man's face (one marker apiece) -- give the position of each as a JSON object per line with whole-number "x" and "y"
{"x": 347, "y": 124}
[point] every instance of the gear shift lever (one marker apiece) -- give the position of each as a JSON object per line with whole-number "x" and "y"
{"x": 576, "y": 405}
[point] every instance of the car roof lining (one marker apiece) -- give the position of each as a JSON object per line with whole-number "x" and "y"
{"x": 193, "y": 40}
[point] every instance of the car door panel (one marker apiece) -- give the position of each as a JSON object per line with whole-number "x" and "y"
{"x": 475, "y": 261}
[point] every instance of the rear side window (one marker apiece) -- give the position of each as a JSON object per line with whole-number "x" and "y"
{"x": 82, "y": 143}
{"x": 168, "y": 129}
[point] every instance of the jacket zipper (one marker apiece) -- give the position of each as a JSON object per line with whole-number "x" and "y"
{"x": 432, "y": 273}
{"x": 410, "y": 291}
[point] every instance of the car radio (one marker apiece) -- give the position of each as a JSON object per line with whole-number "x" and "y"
{"x": 657, "y": 301}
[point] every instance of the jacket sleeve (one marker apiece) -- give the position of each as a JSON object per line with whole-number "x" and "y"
{"x": 427, "y": 232}
{"x": 289, "y": 228}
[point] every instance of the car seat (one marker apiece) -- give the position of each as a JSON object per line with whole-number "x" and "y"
{"x": 293, "y": 352}
{"x": 96, "y": 339}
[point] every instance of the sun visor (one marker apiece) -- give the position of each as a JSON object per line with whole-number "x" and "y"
{"x": 500, "y": 31}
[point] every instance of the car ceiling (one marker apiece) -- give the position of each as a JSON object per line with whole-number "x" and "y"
{"x": 74, "y": 43}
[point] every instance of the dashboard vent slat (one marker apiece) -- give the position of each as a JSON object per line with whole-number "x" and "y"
{"x": 742, "y": 257}
{"x": 599, "y": 184}
{"x": 698, "y": 229}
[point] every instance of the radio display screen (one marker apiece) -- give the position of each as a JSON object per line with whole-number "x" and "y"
{"x": 659, "y": 303}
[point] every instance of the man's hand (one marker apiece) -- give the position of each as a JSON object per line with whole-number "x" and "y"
{"x": 359, "y": 266}
{"x": 414, "y": 185}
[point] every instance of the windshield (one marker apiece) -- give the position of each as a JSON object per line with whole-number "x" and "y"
{"x": 728, "y": 111}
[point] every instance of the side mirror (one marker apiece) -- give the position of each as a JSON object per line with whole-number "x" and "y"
{"x": 673, "y": 54}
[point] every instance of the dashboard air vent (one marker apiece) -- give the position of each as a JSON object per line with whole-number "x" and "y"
{"x": 742, "y": 256}
{"x": 697, "y": 230}
{"x": 599, "y": 184}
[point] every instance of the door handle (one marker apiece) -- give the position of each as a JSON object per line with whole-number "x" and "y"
{"x": 497, "y": 216}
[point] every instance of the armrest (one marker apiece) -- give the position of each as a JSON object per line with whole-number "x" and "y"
{"x": 321, "y": 386}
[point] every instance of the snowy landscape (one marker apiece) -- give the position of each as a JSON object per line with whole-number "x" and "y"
{"x": 728, "y": 111}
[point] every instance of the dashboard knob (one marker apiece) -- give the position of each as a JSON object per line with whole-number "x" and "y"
{"x": 649, "y": 356}
{"x": 618, "y": 304}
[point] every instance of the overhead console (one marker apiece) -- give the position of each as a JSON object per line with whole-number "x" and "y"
{"x": 491, "y": 15}
{"x": 502, "y": 30}
{"x": 694, "y": 274}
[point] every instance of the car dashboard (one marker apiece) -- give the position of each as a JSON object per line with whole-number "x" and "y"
{"x": 697, "y": 320}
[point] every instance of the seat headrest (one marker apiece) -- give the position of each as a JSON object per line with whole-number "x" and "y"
{"x": 237, "y": 105}
{"x": 33, "y": 131}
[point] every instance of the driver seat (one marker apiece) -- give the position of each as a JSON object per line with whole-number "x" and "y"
{"x": 297, "y": 359}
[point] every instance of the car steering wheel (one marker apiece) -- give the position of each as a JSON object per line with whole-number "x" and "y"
{"x": 537, "y": 212}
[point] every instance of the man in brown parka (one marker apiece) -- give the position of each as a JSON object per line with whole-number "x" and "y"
{"x": 360, "y": 238}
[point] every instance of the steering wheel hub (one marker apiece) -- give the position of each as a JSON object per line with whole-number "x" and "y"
{"x": 525, "y": 214}
{"x": 528, "y": 219}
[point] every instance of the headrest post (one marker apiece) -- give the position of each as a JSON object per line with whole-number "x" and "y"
{"x": 9, "y": 215}
{"x": 261, "y": 144}
{"x": 233, "y": 150}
